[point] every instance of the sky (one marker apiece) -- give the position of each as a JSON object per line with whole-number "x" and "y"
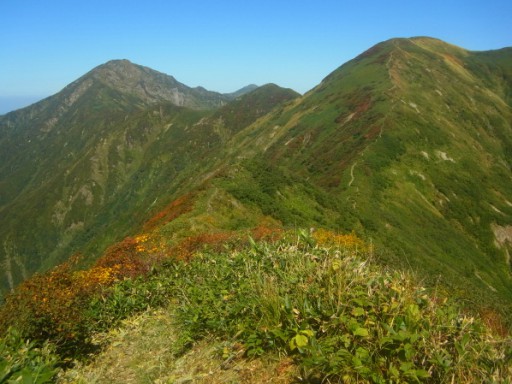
{"x": 222, "y": 45}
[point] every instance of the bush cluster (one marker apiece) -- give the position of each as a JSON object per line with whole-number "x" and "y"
{"x": 340, "y": 317}
{"x": 53, "y": 306}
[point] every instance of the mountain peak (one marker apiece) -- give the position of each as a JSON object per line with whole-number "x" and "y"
{"x": 242, "y": 91}
{"x": 145, "y": 85}
{"x": 119, "y": 62}
{"x": 142, "y": 81}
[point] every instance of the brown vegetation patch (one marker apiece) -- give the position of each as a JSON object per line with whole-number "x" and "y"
{"x": 187, "y": 247}
{"x": 452, "y": 59}
{"x": 494, "y": 321}
{"x": 373, "y": 132}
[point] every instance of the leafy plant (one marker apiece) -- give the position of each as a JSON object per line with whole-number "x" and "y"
{"x": 315, "y": 297}
{"x": 24, "y": 362}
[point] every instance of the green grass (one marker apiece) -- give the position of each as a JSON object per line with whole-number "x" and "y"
{"x": 320, "y": 301}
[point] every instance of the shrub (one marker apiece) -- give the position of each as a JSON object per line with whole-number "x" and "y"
{"x": 55, "y": 306}
{"x": 314, "y": 297}
{"x": 48, "y": 307}
{"x": 23, "y": 362}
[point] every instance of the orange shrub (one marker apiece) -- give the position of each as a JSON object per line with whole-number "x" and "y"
{"x": 262, "y": 232}
{"x": 49, "y": 306}
{"x": 175, "y": 209}
{"x": 125, "y": 259}
{"x": 52, "y": 305}
{"x": 186, "y": 248}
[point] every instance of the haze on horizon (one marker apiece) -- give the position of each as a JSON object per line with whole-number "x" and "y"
{"x": 224, "y": 45}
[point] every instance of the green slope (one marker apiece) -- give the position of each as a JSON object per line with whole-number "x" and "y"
{"x": 87, "y": 166}
{"x": 407, "y": 144}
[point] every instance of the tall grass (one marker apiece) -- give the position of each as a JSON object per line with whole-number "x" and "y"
{"x": 341, "y": 317}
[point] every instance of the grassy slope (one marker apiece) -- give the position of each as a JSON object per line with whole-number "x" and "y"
{"x": 407, "y": 144}
{"x": 442, "y": 168}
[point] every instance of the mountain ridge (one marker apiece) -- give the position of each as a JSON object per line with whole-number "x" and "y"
{"x": 149, "y": 85}
{"x": 379, "y": 134}
{"x": 390, "y": 145}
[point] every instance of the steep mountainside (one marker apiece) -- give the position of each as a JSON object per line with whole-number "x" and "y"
{"x": 82, "y": 168}
{"x": 409, "y": 145}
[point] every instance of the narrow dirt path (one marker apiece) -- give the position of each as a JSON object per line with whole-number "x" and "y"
{"x": 352, "y": 174}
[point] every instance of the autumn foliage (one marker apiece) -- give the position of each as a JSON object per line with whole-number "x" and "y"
{"x": 47, "y": 306}
{"x": 187, "y": 247}
{"x": 53, "y": 306}
{"x": 349, "y": 242}
{"x": 175, "y": 209}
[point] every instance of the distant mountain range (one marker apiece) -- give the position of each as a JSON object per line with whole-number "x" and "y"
{"x": 409, "y": 145}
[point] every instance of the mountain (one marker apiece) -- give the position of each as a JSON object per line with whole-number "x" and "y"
{"x": 82, "y": 168}
{"x": 392, "y": 174}
{"x": 242, "y": 91}
{"x": 408, "y": 145}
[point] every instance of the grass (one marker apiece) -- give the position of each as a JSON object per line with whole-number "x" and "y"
{"x": 142, "y": 350}
{"x": 22, "y": 361}
{"x": 310, "y": 308}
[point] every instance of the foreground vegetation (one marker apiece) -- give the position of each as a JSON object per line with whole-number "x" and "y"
{"x": 318, "y": 300}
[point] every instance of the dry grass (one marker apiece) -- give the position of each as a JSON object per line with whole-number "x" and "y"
{"x": 142, "y": 350}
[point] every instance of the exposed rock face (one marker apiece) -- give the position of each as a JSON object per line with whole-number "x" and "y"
{"x": 503, "y": 237}
{"x": 503, "y": 234}
{"x": 151, "y": 86}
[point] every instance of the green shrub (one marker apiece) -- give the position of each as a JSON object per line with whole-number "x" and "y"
{"x": 319, "y": 299}
{"x": 23, "y": 362}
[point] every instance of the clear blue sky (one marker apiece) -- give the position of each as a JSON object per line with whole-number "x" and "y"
{"x": 222, "y": 45}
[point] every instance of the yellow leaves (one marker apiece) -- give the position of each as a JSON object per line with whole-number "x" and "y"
{"x": 140, "y": 241}
{"x": 346, "y": 241}
{"x": 147, "y": 243}
{"x": 97, "y": 275}
{"x": 142, "y": 238}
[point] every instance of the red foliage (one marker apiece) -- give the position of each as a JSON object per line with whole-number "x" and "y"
{"x": 494, "y": 321}
{"x": 175, "y": 209}
{"x": 49, "y": 306}
{"x": 262, "y": 232}
{"x": 186, "y": 248}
